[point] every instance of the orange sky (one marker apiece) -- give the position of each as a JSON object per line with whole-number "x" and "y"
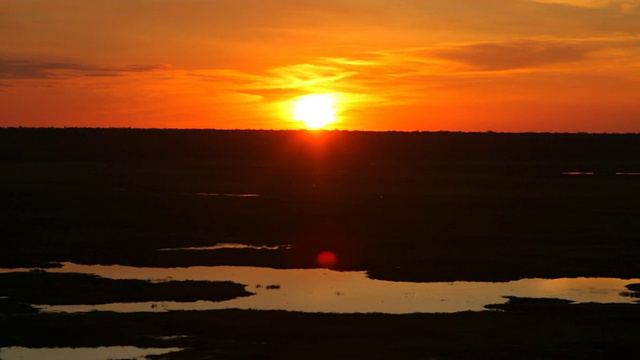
{"x": 470, "y": 65}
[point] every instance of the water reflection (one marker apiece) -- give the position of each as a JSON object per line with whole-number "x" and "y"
{"x": 593, "y": 173}
{"x": 322, "y": 290}
{"x": 228, "y": 246}
{"x": 99, "y": 353}
{"x": 578, "y": 173}
{"x": 228, "y": 195}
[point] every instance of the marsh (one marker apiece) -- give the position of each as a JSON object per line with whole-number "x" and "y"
{"x": 187, "y": 228}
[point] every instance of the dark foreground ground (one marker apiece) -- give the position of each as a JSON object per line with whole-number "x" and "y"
{"x": 542, "y": 331}
{"x": 401, "y": 206}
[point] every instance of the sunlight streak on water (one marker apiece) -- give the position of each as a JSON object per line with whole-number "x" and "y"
{"x": 228, "y": 246}
{"x": 228, "y": 195}
{"x": 574, "y": 173}
{"x": 99, "y": 353}
{"x": 323, "y": 290}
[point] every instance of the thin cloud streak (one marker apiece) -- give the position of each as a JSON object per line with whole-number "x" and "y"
{"x": 24, "y": 69}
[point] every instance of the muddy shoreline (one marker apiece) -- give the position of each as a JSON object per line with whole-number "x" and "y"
{"x": 528, "y": 328}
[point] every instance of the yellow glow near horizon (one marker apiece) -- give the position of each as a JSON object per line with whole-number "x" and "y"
{"x": 564, "y": 66}
{"x": 315, "y": 110}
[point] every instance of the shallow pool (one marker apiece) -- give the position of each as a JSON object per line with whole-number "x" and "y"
{"x": 323, "y": 290}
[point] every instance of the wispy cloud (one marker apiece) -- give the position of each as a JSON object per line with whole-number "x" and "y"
{"x": 625, "y": 6}
{"x": 515, "y": 55}
{"x": 403, "y": 76}
{"x": 20, "y": 69}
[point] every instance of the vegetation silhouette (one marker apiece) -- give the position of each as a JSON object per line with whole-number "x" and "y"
{"x": 402, "y": 206}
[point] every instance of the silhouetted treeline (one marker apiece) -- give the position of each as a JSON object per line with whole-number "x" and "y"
{"x": 81, "y": 144}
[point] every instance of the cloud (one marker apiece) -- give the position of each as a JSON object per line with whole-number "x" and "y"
{"x": 622, "y": 5}
{"x": 403, "y": 76}
{"x": 23, "y": 70}
{"x": 279, "y": 83}
{"x": 514, "y": 55}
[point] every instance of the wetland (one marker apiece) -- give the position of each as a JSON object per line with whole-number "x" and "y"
{"x": 207, "y": 244}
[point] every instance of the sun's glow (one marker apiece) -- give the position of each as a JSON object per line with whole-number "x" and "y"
{"x": 315, "y": 110}
{"x": 327, "y": 259}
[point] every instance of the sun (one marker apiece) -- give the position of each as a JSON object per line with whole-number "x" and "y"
{"x": 315, "y": 110}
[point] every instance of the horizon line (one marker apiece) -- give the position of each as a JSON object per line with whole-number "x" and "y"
{"x": 316, "y": 130}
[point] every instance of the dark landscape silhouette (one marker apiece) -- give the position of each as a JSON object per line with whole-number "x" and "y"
{"x": 422, "y": 206}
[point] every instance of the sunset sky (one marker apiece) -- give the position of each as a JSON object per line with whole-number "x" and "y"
{"x": 469, "y": 65}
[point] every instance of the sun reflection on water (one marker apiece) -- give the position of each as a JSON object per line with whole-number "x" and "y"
{"x": 324, "y": 290}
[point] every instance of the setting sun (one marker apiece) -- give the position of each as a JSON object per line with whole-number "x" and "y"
{"x": 315, "y": 110}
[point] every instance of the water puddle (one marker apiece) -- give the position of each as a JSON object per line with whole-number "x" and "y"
{"x": 322, "y": 290}
{"x": 228, "y": 195}
{"x": 99, "y": 353}
{"x": 229, "y": 246}
{"x": 578, "y": 173}
{"x": 593, "y": 173}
